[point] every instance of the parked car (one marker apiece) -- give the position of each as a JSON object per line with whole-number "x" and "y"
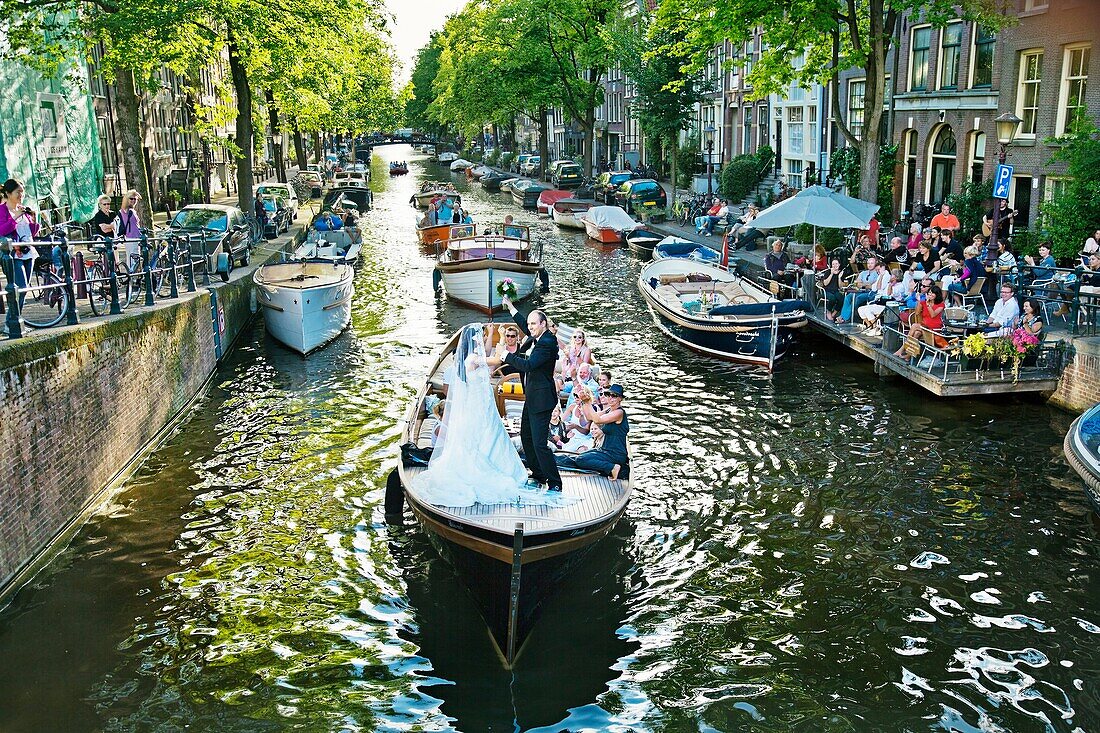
{"x": 608, "y": 183}
{"x": 278, "y": 214}
{"x": 281, "y": 189}
{"x": 567, "y": 175}
{"x": 221, "y": 228}
{"x": 530, "y": 166}
{"x": 517, "y": 164}
{"x": 641, "y": 193}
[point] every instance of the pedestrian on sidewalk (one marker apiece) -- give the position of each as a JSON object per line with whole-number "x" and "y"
{"x": 19, "y": 222}
{"x": 128, "y": 226}
{"x": 102, "y": 224}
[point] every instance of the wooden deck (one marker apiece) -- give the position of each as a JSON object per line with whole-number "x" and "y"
{"x": 955, "y": 383}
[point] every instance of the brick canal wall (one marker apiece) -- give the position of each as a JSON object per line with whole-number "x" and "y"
{"x": 1079, "y": 388}
{"x": 80, "y": 405}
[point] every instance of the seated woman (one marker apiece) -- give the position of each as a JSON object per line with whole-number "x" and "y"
{"x": 927, "y": 259}
{"x": 895, "y": 289}
{"x": 972, "y": 270}
{"x": 1031, "y": 319}
{"x": 610, "y": 459}
{"x": 927, "y": 319}
{"x": 830, "y": 282}
{"x": 557, "y": 436}
{"x": 915, "y": 238}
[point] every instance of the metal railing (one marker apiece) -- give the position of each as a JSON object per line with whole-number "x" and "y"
{"x": 43, "y": 291}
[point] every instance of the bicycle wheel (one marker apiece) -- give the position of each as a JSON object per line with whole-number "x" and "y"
{"x": 131, "y": 284}
{"x": 45, "y": 308}
{"x": 99, "y": 290}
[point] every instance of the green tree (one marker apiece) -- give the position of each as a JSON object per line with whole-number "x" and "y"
{"x": 1075, "y": 214}
{"x": 830, "y": 36}
{"x": 424, "y": 73}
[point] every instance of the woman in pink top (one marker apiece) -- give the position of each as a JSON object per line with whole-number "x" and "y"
{"x": 20, "y": 223}
{"x": 914, "y": 237}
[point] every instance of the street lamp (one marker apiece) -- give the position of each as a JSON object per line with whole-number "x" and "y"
{"x": 1007, "y": 126}
{"x": 708, "y": 136}
{"x": 277, "y": 142}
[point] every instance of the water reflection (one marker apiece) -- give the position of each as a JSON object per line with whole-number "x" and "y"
{"x": 811, "y": 550}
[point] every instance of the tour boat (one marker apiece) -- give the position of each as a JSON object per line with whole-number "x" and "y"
{"x": 564, "y": 212}
{"x": 683, "y": 249}
{"x": 306, "y": 303}
{"x": 526, "y": 193}
{"x": 448, "y": 157}
{"x": 472, "y": 264}
{"x": 548, "y": 197}
{"x": 430, "y": 189}
{"x": 1082, "y": 449}
{"x": 432, "y": 234}
{"x": 341, "y": 245}
{"x": 510, "y": 556}
{"x": 719, "y": 313}
{"x": 607, "y": 224}
{"x": 641, "y": 241}
{"x": 398, "y": 169}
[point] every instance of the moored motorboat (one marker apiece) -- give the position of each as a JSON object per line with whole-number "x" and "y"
{"x": 526, "y": 193}
{"x": 683, "y": 249}
{"x": 641, "y": 241}
{"x": 460, "y": 165}
{"x": 1082, "y": 449}
{"x": 306, "y": 303}
{"x": 341, "y": 245}
{"x": 432, "y": 189}
{"x": 471, "y": 265}
{"x": 491, "y": 181}
{"x": 477, "y": 172}
{"x": 719, "y": 313}
{"x": 564, "y": 212}
{"x": 607, "y": 224}
{"x": 548, "y": 197}
{"x": 511, "y": 556}
{"x": 507, "y": 183}
{"x": 447, "y": 157}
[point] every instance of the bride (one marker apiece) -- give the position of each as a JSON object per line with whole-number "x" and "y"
{"x": 473, "y": 460}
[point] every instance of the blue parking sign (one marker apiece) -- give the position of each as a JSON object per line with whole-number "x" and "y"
{"x": 1001, "y": 181}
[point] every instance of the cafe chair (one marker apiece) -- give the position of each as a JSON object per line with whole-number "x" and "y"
{"x": 975, "y": 294}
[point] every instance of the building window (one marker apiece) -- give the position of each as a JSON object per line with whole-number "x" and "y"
{"x": 944, "y": 152}
{"x": 1030, "y": 5}
{"x": 977, "y": 156}
{"x": 811, "y": 119}
{"x": 857, "y": 89}
{"x": 909, "y": 175}
{"x": 794, "y": 173}
{"x": 985, "y": 40}
{"x": 1027, "y": 93}
{"x": 1054, "y": 187}
{"x": 950, "y": 45}
{"x": 918, "y": 58}
{"x": 1020, "y": 197}
{"x": 1075, "y": 75}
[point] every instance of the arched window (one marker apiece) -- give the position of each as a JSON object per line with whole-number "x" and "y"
{"x": 977, "y": 156}
{"x": 909, "y": 170}
{"x": 942, "y": 158}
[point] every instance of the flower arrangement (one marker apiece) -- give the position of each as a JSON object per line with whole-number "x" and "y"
{"x": 506, "y": 288}
{"x": 976, "y": 346}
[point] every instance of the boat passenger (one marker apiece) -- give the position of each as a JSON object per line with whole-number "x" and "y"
{"x": 573, "y": 354}
{"x": 830, "y": 282}
{"x": 610, "y": 459}
{"x": 508, "y": 334}
{"x": 583, "y": 377}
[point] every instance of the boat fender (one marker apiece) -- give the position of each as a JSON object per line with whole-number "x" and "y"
{"x": 544, "y": 279}
{"x": 395, "y": 495}
{"x": 437, "y": 279}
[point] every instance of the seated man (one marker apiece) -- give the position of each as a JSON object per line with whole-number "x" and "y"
{"x": 712, "y": 219}
{"x": 610, "y": 459}
{"x": 776, "y": 261}
{"x": 701, "y": 221}
{"x": 584, "y": 376}
{"x": 1005, "y": 312}
{"x": 867, "y": 282}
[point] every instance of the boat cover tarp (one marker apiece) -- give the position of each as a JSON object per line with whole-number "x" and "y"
{"x": 678, "y": 247}
{"x": 673, "y": 239}
{"x": 572, "y": 204}
{"x": 460, "y": 164}
{"x": 760, "y": 309}
{"x": 551, "y": 195}
{"x": 609, "y": 217}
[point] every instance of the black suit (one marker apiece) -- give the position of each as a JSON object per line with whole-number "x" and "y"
{"x": 540, "y": 399}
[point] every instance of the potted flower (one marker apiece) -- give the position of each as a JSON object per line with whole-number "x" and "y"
{"x": 975, "y": 351}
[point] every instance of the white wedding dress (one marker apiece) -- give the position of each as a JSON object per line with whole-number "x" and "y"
{"x": 474, "y": 461}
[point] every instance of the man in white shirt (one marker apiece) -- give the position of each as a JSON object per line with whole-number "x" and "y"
{"x": 1004, "y": 314}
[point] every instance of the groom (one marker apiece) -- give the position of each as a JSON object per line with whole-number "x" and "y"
{"x": 541, "y": 394}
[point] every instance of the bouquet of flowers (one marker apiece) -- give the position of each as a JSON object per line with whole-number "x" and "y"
{"x": 506, "y": 288}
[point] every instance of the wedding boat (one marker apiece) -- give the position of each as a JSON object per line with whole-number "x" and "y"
{"x": 341, "y": 245}
{"x": 564, "y": 212}
{"x": 510, "y": 556}
{"x": 471, "y": 266}
{"x": 1082, "y": 449}
{"x": 719, "y": 313}
{"x": 607, "y": 224}
{"x": 548, "y": 197}
{"x": 306, "y": 303}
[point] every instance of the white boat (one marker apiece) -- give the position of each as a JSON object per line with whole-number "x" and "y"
{"x": 607, "y": 224}
{"x": 343, "y": 245}
{"x": 306, "y": 303}
{"x": 447, "y": 157}
{"x": 564, "y": 212}
{"x": 460, "y": 164}
{"x": 473, "y": 264}
{"x": 430, "y": 189}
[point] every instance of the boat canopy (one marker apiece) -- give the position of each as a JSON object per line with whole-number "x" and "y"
{"x": 609, "y": 217}
{"x": 553, "y": 195}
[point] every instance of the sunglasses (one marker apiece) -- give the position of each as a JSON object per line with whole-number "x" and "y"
{"x": 579, "y": 337}
{"x": 510, "y": 335}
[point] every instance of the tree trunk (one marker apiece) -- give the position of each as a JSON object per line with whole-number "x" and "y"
{"x": 871, "y": 140}
{"x": 130, "y": 136}
{"x": 299, "y": 147}
{"x": 318, "y": 153}
{"x": 675, "y": 154}
{"x": 244, "y": 125}
{"x": 277, "y": 148}
{"x": 544, "y": 140}
{"x": 588, "y": 124}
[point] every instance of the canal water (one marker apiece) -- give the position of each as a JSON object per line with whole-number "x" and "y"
{"x": 813, "y": 550}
